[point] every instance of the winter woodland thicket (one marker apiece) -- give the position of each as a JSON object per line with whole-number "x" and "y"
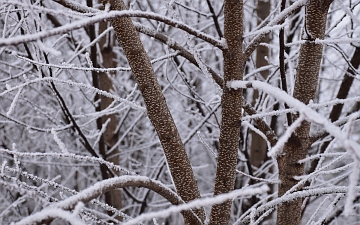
{"x": 179, "y": 112}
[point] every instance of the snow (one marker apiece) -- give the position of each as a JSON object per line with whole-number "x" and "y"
{"x": 36, "y": 166}
{"x": 51, "y": 212}
{"x": 47, "y": 49}
{"x": 13, "y": 103}
{"x": 71, "y": 83}
{"x": 108, "y": 15}
{"x": 59, "y": 142}
{"x": 304, "y": 110}
{"x": 200, "y": 203}
{"x": 352, "y": 192}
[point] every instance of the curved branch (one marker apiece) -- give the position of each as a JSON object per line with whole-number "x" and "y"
{"x": 50, "y": 213}
{"x": 182, "y": 51}
{"x": 104, "y": 186}
{"x": 110, "y": 15}
{"x": 309, "y": 113}
{"x": 291, "y": 197}
{"x": 263, "y": 126}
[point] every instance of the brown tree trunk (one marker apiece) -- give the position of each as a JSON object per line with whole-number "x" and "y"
{"x": 157, "y": 109}
{"x": 342, "y": 94}
{"x": 305, "y": 87}
{"x": 258, "y": 147}
{"x": 110, "y": 137}
{"x": 231, "y": 102}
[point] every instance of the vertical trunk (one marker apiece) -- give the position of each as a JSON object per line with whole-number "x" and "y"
{"x": 258, "y": 144}
{"x": 109, "y": 136}
{"x": 305, "y": 87}
{"x": 102, "y": 82}
{"x": 234, "y": 63}
{"x": 157, "y": 109}
{"x": 342, "y": 94}
{"x": 112, "y": 198}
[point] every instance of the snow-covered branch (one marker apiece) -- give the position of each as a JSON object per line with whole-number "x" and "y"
{"x": 200, "y": 203}
{"x": 72, "y": 83}
{"x": 290, "y": 197}
{"x": 110, "y": 15}
{"x": 309, "y": 114}
{"x": 280, "y": 18}
{"x": 104, "y": 186}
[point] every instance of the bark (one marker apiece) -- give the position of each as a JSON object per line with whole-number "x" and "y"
{"x": 342, "y": 94}
{"x": 305, "y": 87}
{"x": 231, "y": 102}
{"x": 157, "y": 109}
{"x": 346, "y": 84}
{"x": 110, "y": 137}
{"x": 258, "y": 147}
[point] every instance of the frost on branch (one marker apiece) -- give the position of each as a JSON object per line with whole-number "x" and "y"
{"x": 75, "y": 140}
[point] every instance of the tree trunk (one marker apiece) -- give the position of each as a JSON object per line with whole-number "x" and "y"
{"x": 305, "y": 87}
{"x": 157, "y": 109}
{"x": 258, "y": 147}
{"x": 231, "y": 102}
{"x": 110, "y": 136}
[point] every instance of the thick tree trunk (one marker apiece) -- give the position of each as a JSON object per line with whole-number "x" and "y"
{"x": 157, "y": 109}
{"x": 231, "y": 102}
{"x": 305, "y": 87}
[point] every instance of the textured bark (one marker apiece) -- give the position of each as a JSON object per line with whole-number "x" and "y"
{"x": 305, "y": 87}
{"x": 234, "y": 63}
{"x": 157, "y": 109}
{"x": 342, "y": 94}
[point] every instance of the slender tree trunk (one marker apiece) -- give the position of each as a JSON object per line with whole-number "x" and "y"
{"x": 305, "y": 87}
{"x": 231, "y": 102}
{"x": 110, "y": 137}
{"x": 258, "y": 147}
{"x": 107, "y": 139}
{"x": 157, "y": 109}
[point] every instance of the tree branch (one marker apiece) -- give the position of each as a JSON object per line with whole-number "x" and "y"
{"x": 104, "y": 186}
{"x": 189, "y": 56}
{"x": 110, "y": 16}
{"x": 277, "y": 20}
{"x": 157, "y": 109}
